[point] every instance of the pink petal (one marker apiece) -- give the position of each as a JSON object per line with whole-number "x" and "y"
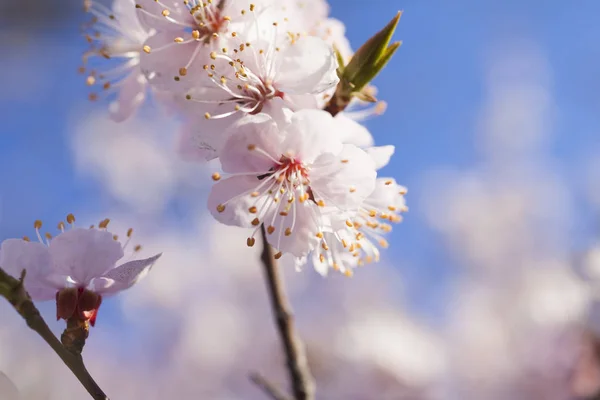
{"x": 126, "y": 275}
{"x": 84, "y": 254}
{"x": 17, "y": 255}
{"x": 131, "y": 95}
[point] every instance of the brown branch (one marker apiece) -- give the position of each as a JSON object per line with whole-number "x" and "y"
{"x": 297, "y": 364}
{"x": 269, "y": 388}
{"x": 12, "y": 289}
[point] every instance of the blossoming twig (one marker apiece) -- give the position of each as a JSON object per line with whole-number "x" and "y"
{"x": 12, "y": 289}
{"x": 297, "y": 364}
{"x": 269, "y": 388}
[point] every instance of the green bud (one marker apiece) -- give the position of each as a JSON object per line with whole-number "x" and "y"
{"x": 371, "y": 57}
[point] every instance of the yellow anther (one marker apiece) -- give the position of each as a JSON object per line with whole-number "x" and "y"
{"x": 288, "y": 231}
{"x": 345, "y": 161}
{"x": 352, "y": 189}
{"x": 183, "y": 71}
{"x": 147, "y": 49}
{"x": 137, "y": 248}
{"x": 278, "y": 255}
{"x": 104, "y": 223}
{"x": 90, "y": 80}
{"x": 48, "y": 236}
{"x": 319, "y": 235}
{"x": 129, "y": 232}
{"x": 251, "y": 147}
{"x": 321, "y": 258}
{"x": 388, "y": 183}
{"x": 216, "y": 176}
{"x": 61, "y": 226}
{"x": 391, "y": 208}
{"x": 196, "y": 34}
{"x": 348, "y": 273}
{"x": 178, "y": 40}
{"x": 213, "y": 55}
{"x": 324, "y": 246}
{"x": 349, "y": 223}
{"x": 321, "y": 203}
{"x": 283, "y": 213}
{"x": 165, "y": 13}
{"x": 252, "y": 7}
{"x": 37, "y": 224}
{"x": 250, "y": 242}
{"x": 372, "y": 213}
{"x": 253, "y": 210}
{"x": 115, "y": 237}
{"x": 271, "y": 229}
{"x": 221, "y": 208}
{"x": 383, "y": 243}
{"x": 255, "y": 194}
{"x": 255, "y": 221}
{"x": 207, "y": 115}
{"x": 344, "y": 243}
{"x": 25, "y": 238}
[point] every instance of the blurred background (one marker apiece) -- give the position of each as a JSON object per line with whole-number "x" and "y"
{"x": 489, "y": 287}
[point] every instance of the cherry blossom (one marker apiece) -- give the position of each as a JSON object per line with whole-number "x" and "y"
{"x": 355, "y": 242}
{"x": 284, "y": 173}
{"x": 116, "y": 38}
{"x": 77, "y": 267}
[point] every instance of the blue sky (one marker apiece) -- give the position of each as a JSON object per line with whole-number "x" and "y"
{"x": 434, "y": 86}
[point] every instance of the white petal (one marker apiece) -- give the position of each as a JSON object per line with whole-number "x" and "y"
{"x": 126, "y": 275}
{"x": 248, "y": 142}
{"x": 387, "y": 193}
{"x": 309, "y": 134}
{"x": 351, "y": 132}
{"x": 381, "y": 155}
{"x": 321, "y": 267}
{"x": 165, "y": 59}
{"x": 344, "y": 180}
{"x": 203, "y": 140}
{"x": 131, "y": 95}
{"x": 303, "y": 238}
{"x": 307, "y": 66}
{"x": 17, "y": 255}
{"x": 234, "y": 193}
{"x": 84, "y": 254}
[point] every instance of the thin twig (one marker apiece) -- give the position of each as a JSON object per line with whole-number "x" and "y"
{"x": 12, "y": 289}
{"x": 297, "y": 364}
{"x": 269, "y": 388}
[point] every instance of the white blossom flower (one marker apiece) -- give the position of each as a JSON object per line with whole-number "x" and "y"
{"x": 284, "y": 173}
{"x": 249, "y": 76}
{"x": 116, "y": 34}
{"x": 186, "y": 33}
{"x": 356, "y": 241}
{"x": 77, "y": 267}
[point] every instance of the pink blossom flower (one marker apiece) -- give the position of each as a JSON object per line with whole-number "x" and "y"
{"x": 77, "y": 267}
{"x": 284, "y": 173}
{"x": 116, "y": 37}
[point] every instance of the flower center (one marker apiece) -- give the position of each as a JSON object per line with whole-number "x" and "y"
{"x": 209, "y": 18}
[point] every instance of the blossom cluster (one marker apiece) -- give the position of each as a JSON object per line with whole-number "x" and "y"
{"x": 251, "y": 82}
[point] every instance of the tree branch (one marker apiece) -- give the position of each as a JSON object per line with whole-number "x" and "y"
{"x": 269, "y": 388}
{"x": 297, "y": 364}
{"x": 12, "y": 289}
